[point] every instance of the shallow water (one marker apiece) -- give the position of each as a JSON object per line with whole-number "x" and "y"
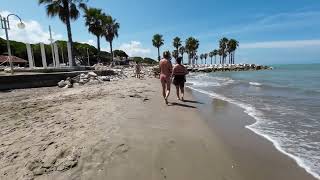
{"x": 284, "y": 101}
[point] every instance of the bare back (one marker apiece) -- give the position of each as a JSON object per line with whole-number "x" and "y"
{"x": 165, "y": 67}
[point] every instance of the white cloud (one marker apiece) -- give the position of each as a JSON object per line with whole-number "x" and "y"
{"x": 281, "y": 44}
{"x": 90, "y": 42}
{"x": 32, "y": 33}
{"x": 134, "y": 48}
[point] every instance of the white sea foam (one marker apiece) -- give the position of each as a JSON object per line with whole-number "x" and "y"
{"x": 258, "y": 116}
{"x": 204, "y": 83}
{"x": 255, "y": 84}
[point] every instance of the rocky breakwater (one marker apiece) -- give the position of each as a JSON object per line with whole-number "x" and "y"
{"x": 227, "y": 67}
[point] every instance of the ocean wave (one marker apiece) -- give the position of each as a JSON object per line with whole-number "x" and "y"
{"x": 255, "y": 84}
{"x": 203, "y": 83}
{"x": 258, "y": 116}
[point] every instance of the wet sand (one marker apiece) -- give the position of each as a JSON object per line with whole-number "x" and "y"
{"x": 123, "y": 130}
{"x": 254, "y": 156}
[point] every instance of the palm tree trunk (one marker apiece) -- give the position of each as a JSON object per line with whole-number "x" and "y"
{"x": 98, "y": 43}
{"x": 111, "y": 51}
{"x": 211, "y": 60}
{"x": 215, "y": 59}
{"x": 68, "y": 24}
{"x": 233, "y": 56}
{"x": 158, "y": 53}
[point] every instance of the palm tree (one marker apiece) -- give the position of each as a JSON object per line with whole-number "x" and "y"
{"x": 211, "y": 54}
{"x": 93, "y": 20}
{"x": 223, "y": 46}
{"x": 157, "y": 42}
{"x": 201, "y": 57}
{"x": 205, "y": 57}
{"x": 175, "y": 54}
{"x": 215, "y": 53}
{"x": 191, "y": 46}
{"x": 232, "y": 45}
{"x": 182, "y": 51}
{"x": 220, "y": 53}
{"x": 196, "y": 57}
{"x": 177, "y": 43}
{"x": 67, "y": 10}
{"x": 110, "y": 31}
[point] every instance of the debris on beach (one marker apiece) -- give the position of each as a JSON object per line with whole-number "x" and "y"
{"x": 91, "y": 78}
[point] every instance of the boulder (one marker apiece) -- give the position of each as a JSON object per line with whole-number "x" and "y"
{"x": 61, "y": 84}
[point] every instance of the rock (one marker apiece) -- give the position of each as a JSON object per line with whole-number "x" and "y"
{"x": 32, "y": 165}
{"x": 61, "y": 84}
{"x": 39, "y": 171}
{"x": 92, "y": 74}
{"x": 104, "y": 78}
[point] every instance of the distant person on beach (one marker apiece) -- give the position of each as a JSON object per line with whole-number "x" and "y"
{"x": 138, "y": 70}
{"x": 179, "y": 77}
{"x": 165, "y": 74}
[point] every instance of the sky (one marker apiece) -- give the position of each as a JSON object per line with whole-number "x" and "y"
{"x": 269, "y": 32}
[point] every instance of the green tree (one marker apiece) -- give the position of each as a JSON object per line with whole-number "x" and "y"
{"x": 182, "y": 51}
{"x": 177, "y": 43}
{"x": 67, "y": 10}
{"x": 157, "y": 42}
{"x": 220, "y": 53}
{"x": 215, "y": 53}
{"x": 191, "y": 46}
{"x": 223, "y": 43}
{"x": 211, "y": 54}
{"x": 93, "y": 20}
{"x": 110, "y": 31}
{"x": 175, "y": 54}
{"x": 205, "y": 57}
{"x": 196, "y": 57}
{"x": 201, "y": 57}
{"x": 232, "y": 47}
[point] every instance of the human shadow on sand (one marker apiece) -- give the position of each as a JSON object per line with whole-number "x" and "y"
{"x": 195, "y": 102}
{"x": 182, "y": 105}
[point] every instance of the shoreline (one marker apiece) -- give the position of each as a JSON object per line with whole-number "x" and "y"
{"x": 248, "y": 124}
{"x": 123, "y": 130}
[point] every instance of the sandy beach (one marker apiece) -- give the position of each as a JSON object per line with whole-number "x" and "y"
{"x": 123, "y": 130}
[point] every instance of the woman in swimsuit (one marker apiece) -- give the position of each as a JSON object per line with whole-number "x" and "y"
{"x": 179, "y": 73}
{"x": 165, "y": 74}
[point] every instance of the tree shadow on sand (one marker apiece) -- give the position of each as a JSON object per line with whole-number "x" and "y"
{"x": 182, "y": 105}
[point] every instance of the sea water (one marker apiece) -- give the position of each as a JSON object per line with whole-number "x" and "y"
{"x": 285, "y": 103}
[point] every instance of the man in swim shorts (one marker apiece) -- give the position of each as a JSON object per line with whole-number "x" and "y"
{"x": 165, "y": 74}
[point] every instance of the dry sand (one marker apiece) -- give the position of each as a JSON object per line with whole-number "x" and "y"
{"x": 117, "y": 130}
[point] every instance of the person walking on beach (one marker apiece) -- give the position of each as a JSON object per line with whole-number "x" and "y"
{"x": 138, "y": 70}
{"x": 179, "y": 78}
{"x": 165, "y": 74}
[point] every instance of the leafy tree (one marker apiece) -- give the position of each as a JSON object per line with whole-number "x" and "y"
{"x": 191, "y": 46}
{"x": 120, "y": 53}
{"x": 67, "y": 10}
{"x": 157, "y": 42}
{"x": 182, "y": 51}
{"x": 94, "y": 22}
{"x": 232, "y": 47}
{"x": 223, "y": 46}
{"x": 175, "y": 54}
{"x": 215, "y": 53}
{"x": 110, "y": 31}
{"x": 201, "y": 57}
{"x": 211, "y": 54}
{"x": 205, "y": 57}
{"x": 177, "y": 43}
